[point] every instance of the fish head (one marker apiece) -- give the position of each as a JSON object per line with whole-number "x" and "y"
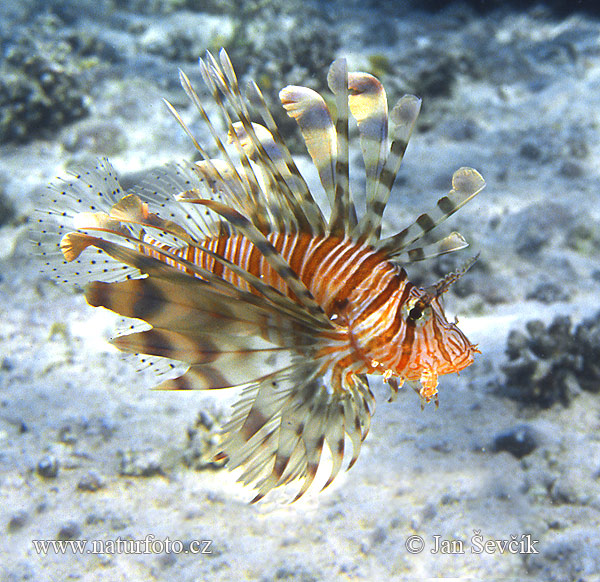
{"x": 431, "y": 345}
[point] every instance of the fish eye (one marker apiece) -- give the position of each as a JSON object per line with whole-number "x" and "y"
{"x": 415, "y": 313}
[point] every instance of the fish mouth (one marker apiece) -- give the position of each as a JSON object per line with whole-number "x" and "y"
{"x": 458, "y": 363}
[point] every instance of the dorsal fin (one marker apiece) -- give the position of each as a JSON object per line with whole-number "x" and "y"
{"x": 249, "y": 201}
{"x": 343, "y": 215}
{"x": 296, "y": 182}
{"x": 466, "y": 183}
{"x": 404, "y": 116}
{"x": 263, "y": 143}
{"x": 222, "y": 81}
{"x": 368, "y": 105}
{"x": 287, "y": 208}
{"x": 311, "y": 113}
{"x": 217, "y": 85}
{"x": 277, "y": 204}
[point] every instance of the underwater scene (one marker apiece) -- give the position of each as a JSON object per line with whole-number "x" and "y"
{"x": 299, "y": 290}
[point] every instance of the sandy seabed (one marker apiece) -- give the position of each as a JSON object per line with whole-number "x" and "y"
{"x": 89, "y": 454}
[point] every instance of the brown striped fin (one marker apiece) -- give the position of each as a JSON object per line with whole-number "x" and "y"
{"x": 394, "y": 384}
{"x": 311, "y": 113}
{"x": 190, "y": 307}
{"x": 466, "y": 183}
{"x": 295, "y": 181}
{"x": 358, "y": 385}
{"x": 404, "y": 116}
{"x": 282, "y": 423}
{"x": 283, "y": 413}
{"x": 343, "y": 215}
{"x": 300, "y": 440}
{"x": 165, "y": 343}
{"x": 303, "y": 426}
{"x": 358, "y": 410}
{"x": 313, "y": 437}
{"x": 368, "y": 105}
{"x": 226, "y": 341}
{"x": 453, "y": 242}
{"x": 151, "y": 266}
{"x": 216, "y": 362}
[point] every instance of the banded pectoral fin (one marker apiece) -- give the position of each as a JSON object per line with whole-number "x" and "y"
{"x": 282, "y": 423}
{"x": 225, "y": 341}
{"x": 215, "y": 361}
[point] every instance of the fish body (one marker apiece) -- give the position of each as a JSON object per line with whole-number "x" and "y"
{"x": 236, "y": 272}
{"x": 357, "y": 288}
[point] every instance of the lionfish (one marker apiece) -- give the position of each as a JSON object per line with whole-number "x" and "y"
{"x": 236, "y": 271}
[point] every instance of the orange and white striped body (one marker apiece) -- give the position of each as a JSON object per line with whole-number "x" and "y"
{"x": 367, "y": 296}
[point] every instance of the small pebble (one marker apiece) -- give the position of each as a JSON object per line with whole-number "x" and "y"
{"x": 571, "y": 169}
{"x": 519, "y": 441}
{"x": 17, "y": 521}
{"x": 69, "y": 531}
{"x": 7, "y": 364}
{"x": 378, "y": 535}
{"x": 530, "y": 151}
{"x": 548, "y": 293}
{"x": 91, "y": 481}
{"x": 133, "y": 464}
{"x": 48, "y": 467}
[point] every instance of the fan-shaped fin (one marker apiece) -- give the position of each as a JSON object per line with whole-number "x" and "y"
{"x": 281, "y": 424}
{"x": 91, "y": 190}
